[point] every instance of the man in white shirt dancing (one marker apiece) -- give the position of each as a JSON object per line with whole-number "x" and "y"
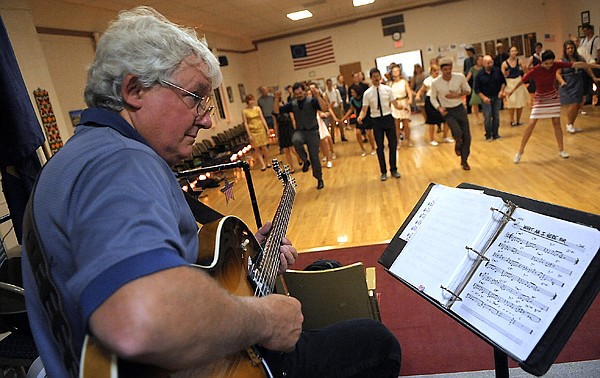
{"x": 379, "y": 98}
{"x": 447, "y": 91}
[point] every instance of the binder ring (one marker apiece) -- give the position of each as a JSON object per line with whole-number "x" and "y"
{"x": 456, "y": 297}
{"x": 477, "y": 253}
{"x": 507, "y": 216}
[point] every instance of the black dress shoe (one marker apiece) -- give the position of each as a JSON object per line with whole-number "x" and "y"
{"x": 306, "y": 166}
{"x": 320, "y": 184}
{"x": 458, "y": 149}
{"x": 465, "y": 166}
{"x": 396, "y": 174}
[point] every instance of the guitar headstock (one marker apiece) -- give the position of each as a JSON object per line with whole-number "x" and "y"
{"x": 284, "y": 175}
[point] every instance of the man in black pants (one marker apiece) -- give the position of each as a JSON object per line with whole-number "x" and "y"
{"x": 446, "y": 96}
{"x": 379, "y": 99}
{"x": 307, "y": 128}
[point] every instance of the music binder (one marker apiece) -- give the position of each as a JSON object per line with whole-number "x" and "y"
{"x": 521, "y": 278}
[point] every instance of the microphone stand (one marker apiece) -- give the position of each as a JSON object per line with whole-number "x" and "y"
{"x": 221, "y": 167}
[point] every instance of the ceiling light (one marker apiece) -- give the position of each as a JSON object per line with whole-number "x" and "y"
{"x": 295, "y": 16}
{"x": 358, "y": 3}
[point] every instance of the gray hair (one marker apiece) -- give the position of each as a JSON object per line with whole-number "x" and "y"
{"x": 144, "y": 43}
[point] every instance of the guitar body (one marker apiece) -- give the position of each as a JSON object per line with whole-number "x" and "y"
{"x": 225, "y": 247}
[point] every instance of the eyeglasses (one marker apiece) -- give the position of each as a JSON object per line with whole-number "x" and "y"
{"x": 201, "y": 104}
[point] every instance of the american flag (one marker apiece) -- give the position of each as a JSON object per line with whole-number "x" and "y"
{"x": 313, "y": 54}
{"x": 228, "y": 191}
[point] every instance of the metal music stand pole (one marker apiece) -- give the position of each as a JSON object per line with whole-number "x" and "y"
{"x": 500, "y": 363}
{"x": 221, "y": 167}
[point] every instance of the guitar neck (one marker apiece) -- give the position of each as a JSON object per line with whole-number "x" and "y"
{"x": 269, "y": 263}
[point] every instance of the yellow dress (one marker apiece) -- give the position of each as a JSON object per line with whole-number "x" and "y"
{"x": 257, "y": 128}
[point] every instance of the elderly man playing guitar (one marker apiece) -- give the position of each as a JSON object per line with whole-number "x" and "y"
{"x": 109, "y": 238}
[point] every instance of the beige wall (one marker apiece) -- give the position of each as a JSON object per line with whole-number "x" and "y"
{"x": 466, "y": 22}
{"x": 456, "y": 23}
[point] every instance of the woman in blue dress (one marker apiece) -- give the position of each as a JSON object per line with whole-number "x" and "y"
{"x": 570, "y": 82}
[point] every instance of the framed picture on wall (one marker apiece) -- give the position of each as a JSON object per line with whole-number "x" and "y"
{"x": 585, "y": 17}
{"x": 242, "y": 92}
{"x": 580, "y": 32}
{"x": 517, "y": 41}
{"x": 529, "y": 41}
{"x": 230, "y": 94}
{"x": 478, "y": 48}
{"x": 490, "y": 48}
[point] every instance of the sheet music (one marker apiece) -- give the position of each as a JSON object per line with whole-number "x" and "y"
{"x": 534, "y": 265}
{"x": 448, "y": 220}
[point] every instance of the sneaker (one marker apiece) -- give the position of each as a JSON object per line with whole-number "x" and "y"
{"x": 448, "y": 140}
{"x": 329, "y": 164}
{"x": 572, "y": 129}
{"x": 489, "y": 139}
{"x": 383, "y": 177}
{"x": 333, "y": 156}
{"x": 583, "y": 112}
{"x": 373, "y": 152}
{"x": 364, "y": 153}
{"x": 517, "y": 158}
{"x": 433, "y": 143}
{"x": 324, "y": 158}
{"x": 396, "y": 174}
{"x": 320, "y": 184}
{"x": 564, "y": 154}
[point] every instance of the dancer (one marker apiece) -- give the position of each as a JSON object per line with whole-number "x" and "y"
{"x": 258, "y": 132}
{"x": 513, "y": 71}
{"x": 571, "y": 81}
{"x": 432, "y": 115}
{"x": 546, "y": 103}
{"x": 365, "y": 126}
{"x": 474, "y": 100}
{"x": 403, "y": 97}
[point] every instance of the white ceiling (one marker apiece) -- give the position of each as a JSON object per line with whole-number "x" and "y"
{"x": 258, "y": 20}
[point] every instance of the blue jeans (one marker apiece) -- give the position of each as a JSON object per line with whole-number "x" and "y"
{"x": 491, "y": 115}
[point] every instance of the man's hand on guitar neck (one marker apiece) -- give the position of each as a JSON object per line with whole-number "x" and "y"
{"x": 288, "y": 255}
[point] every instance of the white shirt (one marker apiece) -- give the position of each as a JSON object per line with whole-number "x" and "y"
{"x": 334, "y": 97}
{"x": 440, "y": 88}
{"x": 427, "y": 82}
{"x": 399, "y": 89}
{"x": 386, "y": 96}
{"x": 592, "y": 44}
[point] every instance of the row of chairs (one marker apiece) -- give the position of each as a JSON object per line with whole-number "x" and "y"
{"x": 219, "y": 150}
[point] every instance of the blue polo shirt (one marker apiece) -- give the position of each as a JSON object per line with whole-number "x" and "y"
{"x": 108, "y": 210}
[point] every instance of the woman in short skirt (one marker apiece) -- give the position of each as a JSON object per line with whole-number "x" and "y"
{"x": 546, "y": 103}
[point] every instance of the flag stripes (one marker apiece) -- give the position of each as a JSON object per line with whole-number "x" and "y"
{"x": 313, "y": 54}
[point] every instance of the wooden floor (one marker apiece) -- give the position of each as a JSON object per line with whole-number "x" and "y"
{"x": 356, "y": 208}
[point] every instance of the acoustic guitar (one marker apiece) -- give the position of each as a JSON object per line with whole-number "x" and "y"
{"x": 230, "y": 253}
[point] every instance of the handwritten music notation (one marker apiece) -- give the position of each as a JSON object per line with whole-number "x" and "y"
{"x": 534, "y": 264}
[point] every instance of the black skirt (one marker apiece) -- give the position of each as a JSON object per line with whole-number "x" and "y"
{"x": 434, "y": 117}
{"x": 285, "y": 130}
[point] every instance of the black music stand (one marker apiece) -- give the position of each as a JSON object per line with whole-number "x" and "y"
{"x": 564, "y": 323}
